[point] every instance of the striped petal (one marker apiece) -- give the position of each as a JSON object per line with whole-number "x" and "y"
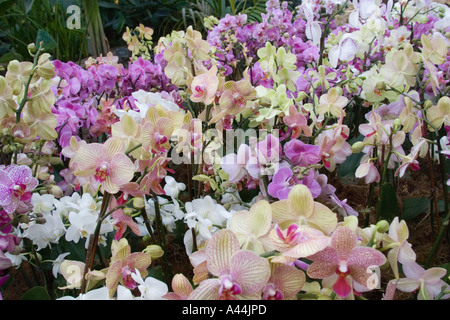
{"x": 207, "y": 290}
{"x": 301, "y": 201}
{"x": 138, "y": 260}
{"x": 260, "y": 218}
{"x": 289, "y": 280}
{"x": 90, "y": 156}
{"x": 219, "y": 250}
{"x": 114, "y": 146}
{"x": 308, "y": 247}
{"x": 250, "y": 271}
{"x": 181, "y": 285}
{"x": 323, "y": 218}
{"x": 121, "y": 170}
{"x": 282, "y": 214}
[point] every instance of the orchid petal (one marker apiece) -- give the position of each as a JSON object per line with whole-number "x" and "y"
{"x": 219, "y": 250}
{"x": 250, "y": 271}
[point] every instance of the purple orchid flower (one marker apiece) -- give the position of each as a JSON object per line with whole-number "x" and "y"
{"x": 16, "y": 184}
{"x": 302, "y": 154}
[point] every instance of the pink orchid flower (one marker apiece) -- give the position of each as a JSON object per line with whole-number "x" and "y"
{"x": 345, "y": 258}
{"x": 16, "y": 184}
{"x": 105, "y": 164}
{"x": 282, "y": 182}
{"x": 238, "y": 273}
{"x": 204, "y": 86}
{"x": 284, "y": 283}
{"x": 368, "y": 171}
{"x": 297, "y": 122}
{"x": 124, "y": 264}
{"x": 121, "y": 220}
{"x": 302, "y": 154}
{"x": 427, "y": 281}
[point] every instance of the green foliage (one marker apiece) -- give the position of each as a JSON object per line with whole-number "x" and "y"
{"x": 26, "y": 21}
{"x": 387, "y": 207}
{"x": 36, "y": 293}
{"x": 163, "y": 16}
{"x": 413, "y": 207}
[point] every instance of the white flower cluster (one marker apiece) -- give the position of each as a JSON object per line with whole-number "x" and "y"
{"x": 74, "y": 217}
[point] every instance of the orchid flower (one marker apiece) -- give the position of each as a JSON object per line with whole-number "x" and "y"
{"x": 301, "y": 209}
{"x": 156, "y": 135}
{"x": 284, "y": 283}
{"x": 252, "y": 227}
{"x": 234, "y": 98}
{"x": 105, "y": 164}
{"x": 345, "y": 51}
{"x": 332, "y": 103}
{"x": 235, "y": 164}
{"x": 401, "y": 249}
{"x": 297, "y": 122}
{"x": 16, "y": 184}
{"x": 346, "y": 259}
{"x": 150, "y": 288}
{"x": 297, "y": 242}
{"x": 124, "y": 264}
{"x": 282, "y": 182}
{"x": 439, "y": 114}
{"x": 204, "y": 86}
{"x": 121, "y": 220}
{"x": 427, "y": 281}
{"x": 237, "y": 273}
{"x": 301, "y": 154}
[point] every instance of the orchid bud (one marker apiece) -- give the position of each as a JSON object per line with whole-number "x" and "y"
{"x": 41, "y": 220}
{"x": 56, "y": 191}
{"x": 397, "y": 124}
{"x": 154, "y": 251}
{"x": 382, "y": 226}
{"x": 138, "y": 203}
{"x": 427, "y": 104}
{"x": 32, "y": 48}
{"x": 358, "y": 146}
{"x": 24, "y": 219}
{"x": 128, "y": 211}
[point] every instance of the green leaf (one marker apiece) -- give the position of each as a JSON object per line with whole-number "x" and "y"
{"x": 48, "y": 43}
{"x": 36, "y": 293}
{"x": 387, "y": 207}
{"x": 412, "y": 207}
